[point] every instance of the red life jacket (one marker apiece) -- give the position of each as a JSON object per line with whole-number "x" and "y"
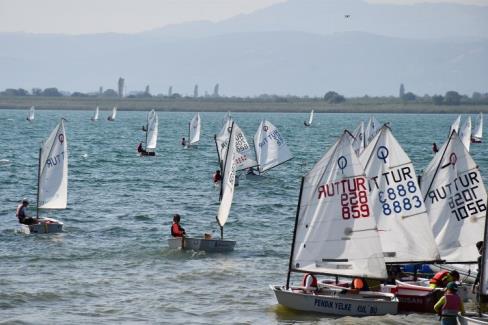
{"x": 304, "y": 280}
{"x": 438, "y": 278}
{"x": 176, "y": 230}
{"x": 452, "y": 305}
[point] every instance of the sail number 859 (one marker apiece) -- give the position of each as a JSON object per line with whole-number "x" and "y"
{"x": 355, "y": 205}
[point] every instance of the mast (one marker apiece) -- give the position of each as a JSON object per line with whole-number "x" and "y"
{"x": 294, "y": 236}
{"x": 218, "y": 153}
{"x": 483, "y": 261}
{"x": 189, "y": 134}
{"x": 38, "y": 183}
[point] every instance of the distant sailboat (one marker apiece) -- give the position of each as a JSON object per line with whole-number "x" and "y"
{"x": 335, "y": 234}
{"x": 477, "y": 135}
{"x": 226, "y": 197}
{"x": 114, "y": 113}
{"x": 151, "y": 134}
{"x": 95, "y": 115}
{"x": 465, "y": 133}
{"x": 310, "y": 120}
{"x": 372, "y": 128}
{"x": 270, "y": 146}
{"x": 194, "y": 129}
{"x": 455, "y": 125}
{"x": 52, "y": 188}
{"x": 31, "y": 114}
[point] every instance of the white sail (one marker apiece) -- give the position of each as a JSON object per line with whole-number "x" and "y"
{"x": 271, "y": 148}
{"x": 359, "y": 141}
{"x": 372, "y": 128}
{"x": 152, "y": 130}
{"x": 310, "y": 119}
{"x": 31, "y": 114}
{"x": 113, "y": 115}
{"x": 397, "y": 203}
{"x": 95, "y": 115}
{"x": 228, "y": 181}
{"x": 455, "y": 198}
{"x": 336, "y": 231}
{"x": 222, "y": 139}
{"x": 465, "y": 133}
{"x": 53, "y": 179}
{"x": 478, "y": 130}
{"x": 226, "y": 119}
{"x": 195, "y": 126}
{"x": 455, "y": 125}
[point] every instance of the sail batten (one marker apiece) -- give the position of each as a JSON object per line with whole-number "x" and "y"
{"x": 396, "y": 202}
{"x": 270, "y": 146}
{"x": 336, "y": 232}
{"x": 53, "y": 176}
{"x": 455, "y": 198}
{"x": 152, "y": 130}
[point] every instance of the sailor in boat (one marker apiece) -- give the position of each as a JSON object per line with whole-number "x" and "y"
{"x": 217, "y": 177}
{"x": 144, "y": 128}
{"x": 140, "y": 149}
{"x": 363, "y": 284}
{"x": 22, "y": 215}
{"x": 176, "y": 229}
{"x": 442, "y": 278}
{"x": 183, "y": 142}
{"x": 479, "y": 246}
{"x": 449, "y": 305}
{"x": 251, "y": 171}
{"x": 434, "y": 148}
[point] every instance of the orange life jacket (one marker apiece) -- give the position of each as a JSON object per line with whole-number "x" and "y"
{"x": 176, "y": 230}
{"x": 438, "y": 278}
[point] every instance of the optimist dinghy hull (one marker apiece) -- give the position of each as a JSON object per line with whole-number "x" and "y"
{"x": 334, "y": 301}
{"x": 45, "y": 226}
{"x": 200, "y": 244}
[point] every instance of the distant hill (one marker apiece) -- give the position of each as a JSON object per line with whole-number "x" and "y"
{"x": 302, "y": 47}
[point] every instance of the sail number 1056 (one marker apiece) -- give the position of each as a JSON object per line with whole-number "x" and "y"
{"x": 354, "y": 205}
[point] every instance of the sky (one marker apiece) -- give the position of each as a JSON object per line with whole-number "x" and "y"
{"x": 131, "y": 16}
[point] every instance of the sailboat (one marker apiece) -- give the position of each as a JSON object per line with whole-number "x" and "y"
{"x": 114, "y": 113}
{"x": 372, "y": 128}
{"x": 31, "y": 114}
{"x": 359, "y": 142}
{"x": 455, "y": 198}
{"x": 194, "y": 129}
{"x": 270, "y": 146}
{"x": 455, "y": 125}
{"x": 52, "y": 181}
{"x": 245, "y": 155}
{"x": 227, "y": 194}
{"x": 465, "y": 133}
{"x": 401, "y": 216}
{"x": 95, "y": 115}
{"x": 151, "y": 134}
{"x": 477, "y": 134}
{"x": 310, "y": 119}
{"x": 335, "y": 234}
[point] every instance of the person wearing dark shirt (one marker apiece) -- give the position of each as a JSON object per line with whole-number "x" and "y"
{"x": 217, "y": 177}
{"x": 434, "y": 148}
{"x": 21, "y": 213}
{"x": 176, "y": 229}
{"x": 479, "y": 246}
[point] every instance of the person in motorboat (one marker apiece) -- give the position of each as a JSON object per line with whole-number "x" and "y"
{"x": 176, "y": 229}
{"x": 449, "y": 305}
{"x": 442, "y": 278}
{"x": 183, "y": 142}
{"x": 22, "y": 215}
{"x": 140, "y": 149}
{"x": 434, "y": 148}
{"x": 216, "y": 177}
{"x": 479, "y": 247}
{"x": 309, "y": 283}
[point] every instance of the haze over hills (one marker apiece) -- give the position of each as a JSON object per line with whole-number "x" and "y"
{"x": 302, "y": 47}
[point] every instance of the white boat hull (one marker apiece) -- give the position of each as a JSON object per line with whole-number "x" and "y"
{"x": 200, "y": 244}
{"x": 334, "y": 301}
{"x": 472, "y": 319}
{"x": 45, "y": 226}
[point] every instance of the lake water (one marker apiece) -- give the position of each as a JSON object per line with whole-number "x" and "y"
{"x": 112, "y": 264}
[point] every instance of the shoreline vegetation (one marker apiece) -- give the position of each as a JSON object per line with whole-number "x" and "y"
{"x": 223, "y": 104}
